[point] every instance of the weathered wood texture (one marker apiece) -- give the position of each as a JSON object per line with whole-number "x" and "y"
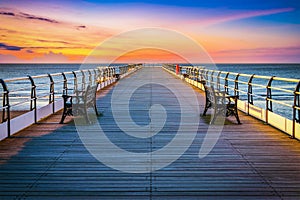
{"x": 250, "y": 161}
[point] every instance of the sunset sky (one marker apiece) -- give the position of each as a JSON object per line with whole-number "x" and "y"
{"x": 230, "y": 31}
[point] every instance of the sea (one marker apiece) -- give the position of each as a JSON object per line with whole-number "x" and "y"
{"x": 290, "y": 71}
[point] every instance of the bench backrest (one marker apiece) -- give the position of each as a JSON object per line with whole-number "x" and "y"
{"x": 90, "y": 94}
{"x": 214, "y": 96}
{"x": 209, "y": 94}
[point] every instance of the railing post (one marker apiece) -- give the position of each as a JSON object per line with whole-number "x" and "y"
{"x": 95, "y": 76}
{"x": 269, "y": 105}
{"x": 100, "y": 76}
{"x": 226, "y": 83}
{"x": 106, "y": 75}
{"x": 212, "y": 78}
{"x": 5, "y": 106}
{"x": 65, "y": 84}
{"x": 296, "y": 108}
{"x": 201, "y": 73}
{"x": 218, "y": 80}
{"x": 236, "y": 85}
{"x": 33, "y": 98}
{"x": 51, "y": 92}
{"x": 249, "y": 94}
{"x": 113, "y": 72}
{"x": 109, "y": 74}
{"x": 206, "y": 75}
{"x": 75, "y": 82}
{"x": 197, "y": 74}
{"x": 193, "y": 73}
{"x": 90, "y": 78}
{"x": 82, "y": 80}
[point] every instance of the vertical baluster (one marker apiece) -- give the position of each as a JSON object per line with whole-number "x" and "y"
{"x": 218, "y": 81}
{"x": 5, "y": 106}
{"x": 90, "y": 78}
{"x": 250, "y": 92}
{"x": 296, "y": 108}
{"x": 33, "y": 98}
{"x": 75, "y": 82}
{"x": 226, "y": 83}
{"x": 65, "y": 84}
{"x": 83, "y": 86}
{"x": 212, "y": 78}
{"x": 269, "y": 105}
{"x": 236, "y": 85}
{"x": 51, "y": 92}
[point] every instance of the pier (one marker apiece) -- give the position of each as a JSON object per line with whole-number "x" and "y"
{"x": 48, "y": 160}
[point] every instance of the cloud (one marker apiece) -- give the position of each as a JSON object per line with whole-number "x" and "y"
{"x": 29, "y": 16}
{"x": 29, "y": 51}
{"x": 80, "y": 27}
{"x": 53, "y": 41}
{"x": 8, "y": 31}
{"x": 10, "y": 48}
{"x": 7, "y": 13}
{"x": 14, "y": 13}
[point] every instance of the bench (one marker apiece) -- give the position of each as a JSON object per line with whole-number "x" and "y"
{"x": 79, "y": 103}
{"x": 221, "y": 102}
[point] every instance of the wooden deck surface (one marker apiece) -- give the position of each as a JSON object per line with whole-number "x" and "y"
{"x": 250, "y": 161}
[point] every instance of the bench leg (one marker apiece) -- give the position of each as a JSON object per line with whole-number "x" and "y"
{"x": 215, "y": 116}
{"x": 207, "y": 105}
{"x": 236, "y": 114}
{"x": 95, "y": 108}
{"x": 63, "y": 116}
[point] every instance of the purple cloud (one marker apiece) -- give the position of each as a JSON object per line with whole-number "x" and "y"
{"x": 80, "y": 27}
{"x": 28, "y": 16}
{"x": 53, "y": 41}
{"x": 7, "y": 13}
{"x": 10, "y": 48}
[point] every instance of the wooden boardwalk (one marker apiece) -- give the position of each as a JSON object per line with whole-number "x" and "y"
{"x": 250, "y": 161}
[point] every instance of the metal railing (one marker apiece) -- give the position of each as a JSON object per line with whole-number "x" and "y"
{"x": 273, "y": 94}
{"x": 33, "y": 92}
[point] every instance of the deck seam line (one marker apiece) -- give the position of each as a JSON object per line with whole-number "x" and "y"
{"x": 151, "y": 149}
{"x": 32, "y": 185}
{"x": 256, "y": 170}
